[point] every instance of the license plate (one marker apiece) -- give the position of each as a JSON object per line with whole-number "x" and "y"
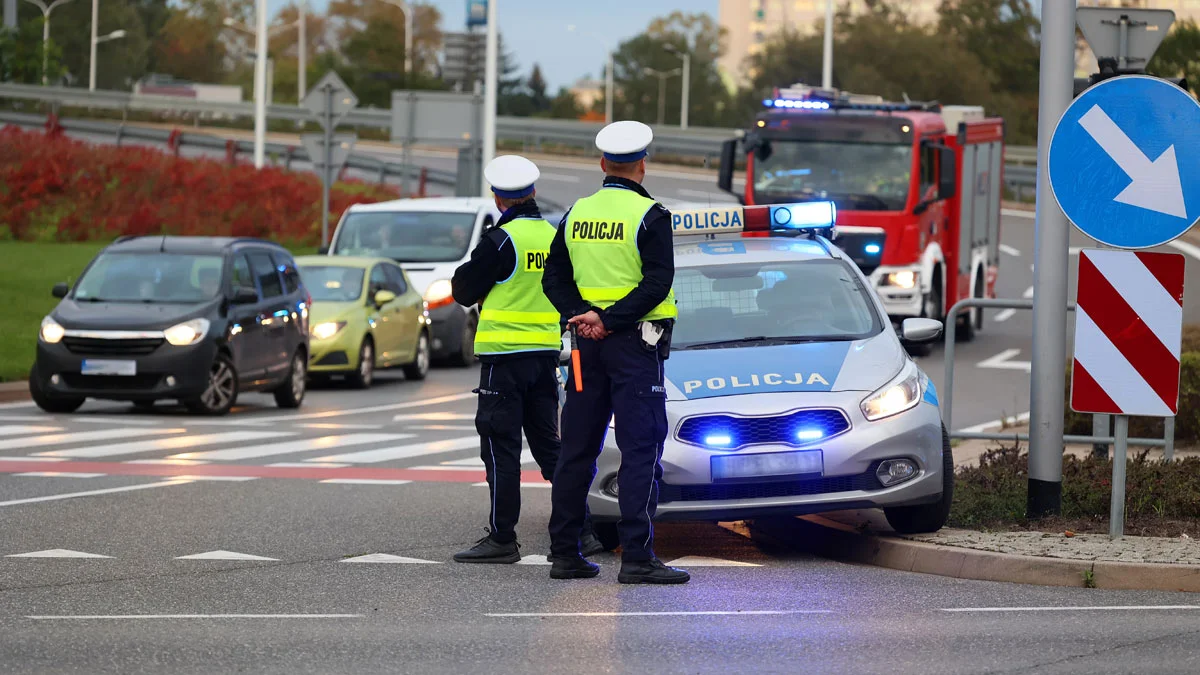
{"x": 102, "y": 367}
{"x": 727, "y": 467}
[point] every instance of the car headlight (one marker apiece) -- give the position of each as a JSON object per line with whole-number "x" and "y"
{"x": 895, "y": 397}
{"x": 51, "y": 332}
{"x": 904, "y": 279}
{"x": 439, "y": 294}
{"x": 187, "y": 333}
{"x": 324, "y": 331}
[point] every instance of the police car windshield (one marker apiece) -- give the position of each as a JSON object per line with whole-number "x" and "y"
{"x": 857, "y": 176}
{"x": 747, "y": 305}
{"x": 406, "y": 236}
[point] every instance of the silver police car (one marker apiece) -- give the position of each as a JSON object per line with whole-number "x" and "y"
{"x": 789, "y": 393}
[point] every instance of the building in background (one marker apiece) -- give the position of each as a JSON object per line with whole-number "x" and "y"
{"x": 587, "y": 92}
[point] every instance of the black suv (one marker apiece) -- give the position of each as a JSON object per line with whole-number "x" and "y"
{"x": 194, "y": 319}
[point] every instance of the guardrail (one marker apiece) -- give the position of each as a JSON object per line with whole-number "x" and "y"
{"x": 534, "y": 134}
{"x": 288, "y": 156}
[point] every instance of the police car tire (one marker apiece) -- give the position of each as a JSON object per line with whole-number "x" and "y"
{"x": 606, "y": 532}
{"x": 927, "y": 517}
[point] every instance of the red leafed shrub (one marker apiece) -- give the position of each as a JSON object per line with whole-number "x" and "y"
{"x": 53, "y": 188}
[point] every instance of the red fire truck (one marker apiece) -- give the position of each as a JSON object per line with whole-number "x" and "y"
{"x": 917, "y": 188}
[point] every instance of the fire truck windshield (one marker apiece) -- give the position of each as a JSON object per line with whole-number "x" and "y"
{"x": 857, "y": 176}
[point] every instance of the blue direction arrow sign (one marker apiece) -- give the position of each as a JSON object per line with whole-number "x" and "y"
{"x": 1125, "y": 162}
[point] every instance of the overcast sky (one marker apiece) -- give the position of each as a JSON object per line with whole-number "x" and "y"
{"x": 536, "y": 30}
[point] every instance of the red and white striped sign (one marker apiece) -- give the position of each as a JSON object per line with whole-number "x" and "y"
{"x": 1128, "y": 328}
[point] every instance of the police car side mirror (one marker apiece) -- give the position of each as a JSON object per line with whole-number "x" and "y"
{"x": 917, "y": 331}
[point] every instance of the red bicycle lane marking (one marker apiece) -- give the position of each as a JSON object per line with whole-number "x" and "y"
{"x": 255, "y": 471}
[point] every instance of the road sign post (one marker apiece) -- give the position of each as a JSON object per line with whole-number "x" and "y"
{"x": 1050, "y": 272}
{"x": 329, "y": 101}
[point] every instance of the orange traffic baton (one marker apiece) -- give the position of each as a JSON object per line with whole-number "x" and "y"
{"x": 576, "y": 371}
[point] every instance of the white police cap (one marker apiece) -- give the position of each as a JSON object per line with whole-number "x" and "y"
{"x": 624, "y": 141}
{"x": 511, "y": 176}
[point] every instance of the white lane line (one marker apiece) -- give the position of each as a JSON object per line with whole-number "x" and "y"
{"x": 57, "y": 553}
{"x": 477, "y": 463}
{"x": 79, "y": 437}
{"x": 167, "y": 462}
{"x": 560, "y": 177}
{"x": 105, "y": 617}
{"x": 1003, "y": 361}
{"x": 309, "y": 465}
{"x": 231, "y": 479}
{"x": 1018, "y": 213}
{"x": 26, "y": 430}
{"x": 32, "y": 459}
{"x": 1011, "y": 421}
{"x": 122, "y": 421}
{"x": 91, "y": 493}
{"x": 325, "y": 443}
{"x": 59, "y": 474}
{"x": 18, "y": 404}
{"x": 439, "y": 468}
{"x": 1004, "y": 315}
{"x": 441, "y": 427}
{"x": 1097, "y": 608}
{"x": 1028, "y": 294}
{"x": 259, "y": 421}
{"x": 403, "y": 451}
{"x": 434, "y": 417}
{"x": 328, "y": 426}
{"x": 365, "y": 481}
{"x": 1005, "y": 248}
{"x": 175, "y": 443}
{"x": 748, "y": 612}
{"x": 524, "y": 485}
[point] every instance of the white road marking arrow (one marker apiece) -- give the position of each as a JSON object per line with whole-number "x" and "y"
{"x": 223, "y": 555}
{"x": 57, "y": 553}
{"x": 1156, "y": 185}
{"x": 705, "y": 561}
{"x": 388, "y": 558}
{"x": 1003, "y": 361}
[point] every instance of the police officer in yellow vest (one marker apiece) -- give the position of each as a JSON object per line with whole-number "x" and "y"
{"x": 610, "y": 270}
{"x": 518, "y": 343}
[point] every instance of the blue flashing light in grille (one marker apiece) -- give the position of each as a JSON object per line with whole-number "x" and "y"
{"x": 718, "y": 440}
{"x": 872, "y": 249}
{"x": 809, "y": 434}
{"x": 795, "y": 429}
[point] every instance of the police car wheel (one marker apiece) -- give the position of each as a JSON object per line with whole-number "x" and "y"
{"x": 606, "y": 532}
{"x": 927, "y": 517}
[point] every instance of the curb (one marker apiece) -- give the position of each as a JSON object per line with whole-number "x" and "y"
{"x": 14, "y": 391}
{"x": 839, "y": 541}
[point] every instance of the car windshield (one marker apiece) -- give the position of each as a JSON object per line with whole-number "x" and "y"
{"x": 858, "y": 176}
{"x": 151, "y": 277}
{"x": 771, "y": 303}
{"x": 406, "y": 236}
{"x": 333, "y": 284}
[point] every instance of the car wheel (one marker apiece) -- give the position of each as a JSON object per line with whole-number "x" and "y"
{"x": 419, "y": 368}
{"x": 48, "y": 403}
{"x": 221, "y": 392}
{"x": 466, "y": 348}
{"x": 290, "y": 394}
{"x": 927, "y": 517}
{"x": 606, "y": 532}
{"x": 365, "y": 375}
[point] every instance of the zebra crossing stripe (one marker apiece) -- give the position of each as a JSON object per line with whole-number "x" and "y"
{"x": 174, "y": 443}
{"x": 80, "y": 437}
{"x": 402, "y": 451}
{"x": 303, "y": 445}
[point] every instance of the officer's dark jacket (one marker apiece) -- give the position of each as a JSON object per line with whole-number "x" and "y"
{"x": 493, "y": 260}
{"x": 658, "y": 268}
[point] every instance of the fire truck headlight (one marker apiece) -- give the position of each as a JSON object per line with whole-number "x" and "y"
{"x": 905, "y": 279}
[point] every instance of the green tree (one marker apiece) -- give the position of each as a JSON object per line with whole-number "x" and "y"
{"x": 536, "y": 86}
{"x": 190, "y": 46}
{"x": 565, "y": 106}
{"x": 21, "y": 54}
{"x": 1179, "y": 54}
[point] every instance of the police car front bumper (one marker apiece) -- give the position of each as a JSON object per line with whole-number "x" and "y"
{"x": 688, "y": 490}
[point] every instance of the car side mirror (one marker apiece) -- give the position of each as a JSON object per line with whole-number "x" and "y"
{"x": 917, "y": 331}
{"x": 60, "y": 290}
{"x": 383, "y": 297}
{"x": 244, "y": 296}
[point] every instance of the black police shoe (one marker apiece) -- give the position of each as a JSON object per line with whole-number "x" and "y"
{"x": 572, "y": 568}
{"x": 589, "y": 545}
{"x": 488, "y": 550}
{"x": 651, "y": 571}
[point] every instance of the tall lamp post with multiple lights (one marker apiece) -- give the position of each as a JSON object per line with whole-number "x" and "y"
{"x": 46, "y": 10}
{"x": 662, "y": 76}
{"x": 408, "y": 36}
{"x": 685, "y": 104}
{"x": 115, "y": 35}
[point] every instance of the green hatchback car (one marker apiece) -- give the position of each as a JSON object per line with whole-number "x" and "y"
{"x": 365, "y": 315}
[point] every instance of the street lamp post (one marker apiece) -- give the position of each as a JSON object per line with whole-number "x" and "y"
{"x": 662, "y": 89}
{"x": 608, "y": 75}
{"x": 684, "y": 104}
{"x": 46, "y": 9}
{"x": 827, "y": 52}
{"x": 115, "y": 35}
{"x": 302, "y": 52}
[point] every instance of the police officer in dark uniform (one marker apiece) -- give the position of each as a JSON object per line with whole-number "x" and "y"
{"x": 610, "y": 270}
{"x": 518, "y": 342}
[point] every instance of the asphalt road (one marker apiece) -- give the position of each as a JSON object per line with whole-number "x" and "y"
{"x": 149, "y": 490}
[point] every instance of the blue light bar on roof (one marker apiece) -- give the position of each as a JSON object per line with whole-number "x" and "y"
{"x": 804, "y": 216}
{"x": 795, "y": 105}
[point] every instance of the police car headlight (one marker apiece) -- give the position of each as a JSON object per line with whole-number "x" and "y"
{"x": 905, "y": 279}
{"x": 902, "y": 393}
{"x": 439, "y": 294}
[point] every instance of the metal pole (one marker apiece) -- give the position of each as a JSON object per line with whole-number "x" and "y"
{"x": 827, "y": 55}
{"x": 45, "y": 46}
{"x": 489, "y": 92}
{"x": 270, "y": 81}
{"x": 1169, "y": 438}
{"x": 10, "y": 14}
{"x": 608, "y": 89}
{"x": 260, "y": 82}
{"x": 92, "y": 59}
{"x": 327, "y": 169}
{"x": 1123, "y": 43}
{"x": 687, "y": 90}
{"x": 302, "y": 75}
{"x": 1100, "y": 429}
{"x": 662, "y": 98}
{"x": 1116, "y": 513}
{"x": 1046, "y": 398}
{"x": 408, "y": 44}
